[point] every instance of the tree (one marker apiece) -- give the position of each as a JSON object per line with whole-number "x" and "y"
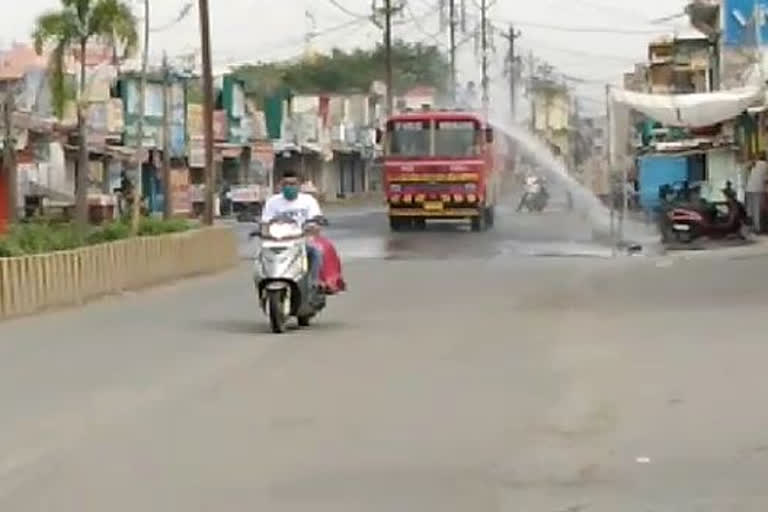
{"x": 413, "y": 64}
{"x": 71, "y": 28}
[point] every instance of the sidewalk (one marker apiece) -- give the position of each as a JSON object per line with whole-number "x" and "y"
{"x": 756, "y": 247}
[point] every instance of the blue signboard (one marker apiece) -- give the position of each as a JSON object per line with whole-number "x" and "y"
{"x": 739, "y": 22}
{"x": 658, "y": 170}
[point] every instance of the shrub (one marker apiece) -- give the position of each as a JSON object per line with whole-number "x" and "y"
{"x": 41, "y": 236}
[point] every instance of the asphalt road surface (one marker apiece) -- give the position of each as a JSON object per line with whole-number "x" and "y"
{"x": 460, "y": 373}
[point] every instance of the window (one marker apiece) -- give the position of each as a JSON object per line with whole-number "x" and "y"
{"x": 238, "y": 102}
{"x": 409, "y": 138}
{"x": 457, "y": 139}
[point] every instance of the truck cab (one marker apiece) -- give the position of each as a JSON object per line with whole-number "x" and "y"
{"x": 439, "y": 165}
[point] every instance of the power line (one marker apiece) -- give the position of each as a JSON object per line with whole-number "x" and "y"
{"x": 589, "y": 30}
{"x": 580, "y": 53}
{"x": 346, "y": 11}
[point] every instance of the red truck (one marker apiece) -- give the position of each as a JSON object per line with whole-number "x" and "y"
{"x": 439, "y": 165}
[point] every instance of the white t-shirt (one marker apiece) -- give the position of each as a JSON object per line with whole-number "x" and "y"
{"x": 300, "y": 209}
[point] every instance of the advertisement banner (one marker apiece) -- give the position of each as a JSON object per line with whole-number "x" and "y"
{"x": 246, "y": 193}
{"x": 197, "y": 152}
{"x": 195, "y": 121}
{"x": 220, "y": 126}
{"x": 263, "y": 161}
{"x": 181, "y": 194}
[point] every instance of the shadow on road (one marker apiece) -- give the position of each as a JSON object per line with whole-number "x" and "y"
{"x": 260, "y": 325}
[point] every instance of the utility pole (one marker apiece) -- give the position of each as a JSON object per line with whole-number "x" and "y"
{"x": 388, "y": 53}
{"x": 167, "y": 203}
{"x": 205, "y": 36}
{"x": 531, "y": 88}
{"x": 484, "y": 42}
{"x": 9, "y": 155}
{"x": 608, "y": 166}
{"x": 452, "y": 32}
{"x": 513, "y": 70}
{"x": 138, "y": 186}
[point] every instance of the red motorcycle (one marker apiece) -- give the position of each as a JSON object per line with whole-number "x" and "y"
{"x": 686, "y": 223}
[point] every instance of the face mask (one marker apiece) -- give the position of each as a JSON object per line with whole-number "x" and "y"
{"x": 290, "y": 192}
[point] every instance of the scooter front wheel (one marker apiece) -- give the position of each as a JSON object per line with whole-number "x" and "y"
{"x": 277, "y": 316}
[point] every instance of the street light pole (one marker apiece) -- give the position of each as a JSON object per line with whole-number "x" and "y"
{"x": 167, "y": 204}
{"x": 388, "y": 53}
{"x": 9, "y": 156}
{"x": 205, "y": 37}
{"x": 138, "y": 186}
{"x": 452, "y": 32}
{"x": 484, "y": 37}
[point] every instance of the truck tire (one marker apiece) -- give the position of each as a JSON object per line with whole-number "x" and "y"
{"x": 396, "y": 223}
{"x": 420, "y": 223}
{"x": 490, "y": 216}
{"x": 479, "y": 223}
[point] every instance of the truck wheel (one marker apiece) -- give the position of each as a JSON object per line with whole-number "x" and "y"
{"x": 395, "y": 223}
{"x": 420, "y": 224}
{"x": 490, "y": 216}
{"x": 479, "y": 223}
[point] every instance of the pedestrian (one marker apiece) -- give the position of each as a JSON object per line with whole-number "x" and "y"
{"x": 756, "y": 191}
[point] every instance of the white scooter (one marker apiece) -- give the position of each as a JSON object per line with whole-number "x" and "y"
{"x": 281, "y": 273}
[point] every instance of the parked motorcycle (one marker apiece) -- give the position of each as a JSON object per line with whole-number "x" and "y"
{"x": 282, "y": 274}
{"x": 687, "y": 221}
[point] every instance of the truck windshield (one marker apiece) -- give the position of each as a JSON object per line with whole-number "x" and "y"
{"x": 409, "y": 138}
{"x": 456, "y": 138}
{"x": 452, "y": 139}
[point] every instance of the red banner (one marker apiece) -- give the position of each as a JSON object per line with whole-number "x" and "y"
{"x": 220, "y": 126}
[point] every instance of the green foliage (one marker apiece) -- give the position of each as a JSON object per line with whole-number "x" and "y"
{"x": 413, "y": 64}
{"x": 151, "y": 226}
{"x": 44, "y": 236}
{"x": 72, "y": 27}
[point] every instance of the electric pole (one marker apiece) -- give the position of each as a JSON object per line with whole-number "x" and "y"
{"x": 484, "y": 42}
{"x": 167, "y": 95}
{"x": 388, "y": 53}
{"x": 513, "y": 71}
{"x": 139, "y": 185}
{"x": 9, "y": 155}
{"x": 452, "y": 32}
{"x": 205, "y": 37}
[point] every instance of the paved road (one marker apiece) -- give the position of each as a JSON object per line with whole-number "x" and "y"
{"x": 457, "y": 375}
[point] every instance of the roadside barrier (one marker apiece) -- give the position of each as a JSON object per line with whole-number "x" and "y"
{"x": 30, "y": 284}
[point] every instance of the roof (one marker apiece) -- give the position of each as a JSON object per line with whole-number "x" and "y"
{"x": 18, "y": 60}
{"x": 419, "y": 115}
{"x": 420, "y": 91}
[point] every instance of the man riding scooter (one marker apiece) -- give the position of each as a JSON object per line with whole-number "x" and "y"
{"x": 301, "y": 208}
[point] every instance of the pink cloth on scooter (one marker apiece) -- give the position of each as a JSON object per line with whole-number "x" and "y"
{"x": 330, "y": 272}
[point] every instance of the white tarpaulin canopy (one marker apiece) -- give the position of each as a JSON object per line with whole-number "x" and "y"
{"x": 690, "y": 110}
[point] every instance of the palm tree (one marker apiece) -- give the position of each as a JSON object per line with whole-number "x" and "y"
{"x": 77, "y": 23}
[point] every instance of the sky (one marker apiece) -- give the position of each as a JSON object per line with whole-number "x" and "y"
{"x": 593, "y": 40}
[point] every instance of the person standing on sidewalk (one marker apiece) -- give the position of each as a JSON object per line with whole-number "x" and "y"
{"x": 756, "y": 191}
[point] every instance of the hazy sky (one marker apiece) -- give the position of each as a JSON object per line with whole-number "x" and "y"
{"x": 558, "y": 31}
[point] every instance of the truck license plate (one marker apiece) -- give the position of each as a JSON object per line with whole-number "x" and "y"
{"x": 433, "y": 205}
{"x": 682, "y": 227}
